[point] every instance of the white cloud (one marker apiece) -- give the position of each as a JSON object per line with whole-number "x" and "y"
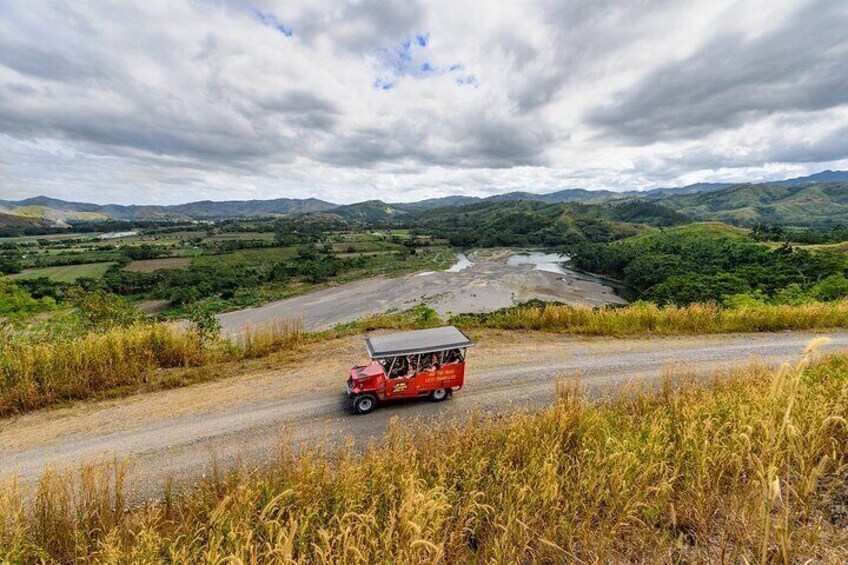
{"x": 169, "y": 101}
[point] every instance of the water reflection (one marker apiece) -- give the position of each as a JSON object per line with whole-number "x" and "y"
{"x": 549, "y": 262}
{"x": 462, "y": 262}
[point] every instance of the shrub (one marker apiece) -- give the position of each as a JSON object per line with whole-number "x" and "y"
{"x": 103, "y": 310}
{"x": 17, "y": 303}
{"x": 834, "y": 287}
{"x": 204, "y": 322}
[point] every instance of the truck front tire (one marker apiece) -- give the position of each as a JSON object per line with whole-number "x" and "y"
{"x": 364, "y": 403}
{"x": 439, "y": 394}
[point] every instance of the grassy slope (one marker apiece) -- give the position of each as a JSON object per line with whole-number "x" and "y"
{"x": 744, "y": 469}
{"x": 644, "y": 318}
{"x": 53, "y": 214}
{"x": 705, "y": 229}
{"x": 67, "y": 273}
{"x": 11, "y": 221}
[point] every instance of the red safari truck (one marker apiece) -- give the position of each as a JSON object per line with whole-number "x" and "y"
{"x": 422, "y": 363}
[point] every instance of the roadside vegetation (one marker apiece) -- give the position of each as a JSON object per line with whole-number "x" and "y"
{"x": 105, "y": 348}
{"x": 40, "y": 369}
{"x": 748, "y": 468}
{"x": 643, "y": 318}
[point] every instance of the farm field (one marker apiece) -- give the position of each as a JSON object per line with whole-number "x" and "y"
{"x": 65, "y": 273}
{"x": 153, "y": 265}
{"x": 227, "y": 236}
{"x": 29, "y": 239}
{"x": 247, "y": 257}
{"x": 225, "y": 265}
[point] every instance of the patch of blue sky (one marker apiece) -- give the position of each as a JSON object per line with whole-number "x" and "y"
{"x": 270, "y": 20}
{"x": 384, "y": 84}
{"x": 408, "y": 59}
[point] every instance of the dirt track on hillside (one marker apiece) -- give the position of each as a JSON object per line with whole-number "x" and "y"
{"x": 179, "y": 432}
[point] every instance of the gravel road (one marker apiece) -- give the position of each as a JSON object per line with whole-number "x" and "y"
{"x": 177, "y": 433}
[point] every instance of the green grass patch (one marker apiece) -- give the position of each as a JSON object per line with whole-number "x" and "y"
{"x": 262, "y": 257}
{"x": 67, "y": 273}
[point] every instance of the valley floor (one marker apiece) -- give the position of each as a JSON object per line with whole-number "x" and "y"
{"x": 487, "y": 284}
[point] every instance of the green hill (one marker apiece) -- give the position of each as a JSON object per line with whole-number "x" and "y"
{"x": 13, "y": 225}
{"x": 370, "y": 211}
{"x": 714, "y": 262}
{"x": 47, "y": 213}
{"x": 812, "y": 205}
{"x": 528, "y": 222}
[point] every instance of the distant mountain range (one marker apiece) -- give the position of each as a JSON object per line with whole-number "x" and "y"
{"x": 203, "y": 209}
{"x": 789, "y": 201}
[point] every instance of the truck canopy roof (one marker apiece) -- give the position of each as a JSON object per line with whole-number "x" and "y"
{"x": 418, "y": 341}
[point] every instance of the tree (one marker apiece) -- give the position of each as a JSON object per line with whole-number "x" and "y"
{"x": 10, "y": 262}
{"x": 16, "y": 302}
{"x": 103, "y": 310}
{"x": 205, "y": 323}
{"x": 834, "y": 287}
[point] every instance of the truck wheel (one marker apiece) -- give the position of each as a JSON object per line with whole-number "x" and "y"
{"x": 364, "y": 403}
{"x": 439, "y": 394}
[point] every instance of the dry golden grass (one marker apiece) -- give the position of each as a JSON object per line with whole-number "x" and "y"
{"x": 125, "y": 360}
{"x": 747, "y": 469}
{"x": 646, "y": 318}
{"x": 33, "y": 374}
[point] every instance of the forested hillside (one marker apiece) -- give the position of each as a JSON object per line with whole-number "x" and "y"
{"x": 713, "y": 262}
{"x": 527, "y": 222}
{"x": 813, "y": 205}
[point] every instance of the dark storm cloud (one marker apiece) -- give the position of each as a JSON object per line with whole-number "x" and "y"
{"x": 477, "y": 140}
{"x": 304, "y": 109}
{"x": 801, "y": 66}
{"x": 499, "y": 143}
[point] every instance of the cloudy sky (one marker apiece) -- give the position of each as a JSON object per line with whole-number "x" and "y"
{"x": 166, "y": 101}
